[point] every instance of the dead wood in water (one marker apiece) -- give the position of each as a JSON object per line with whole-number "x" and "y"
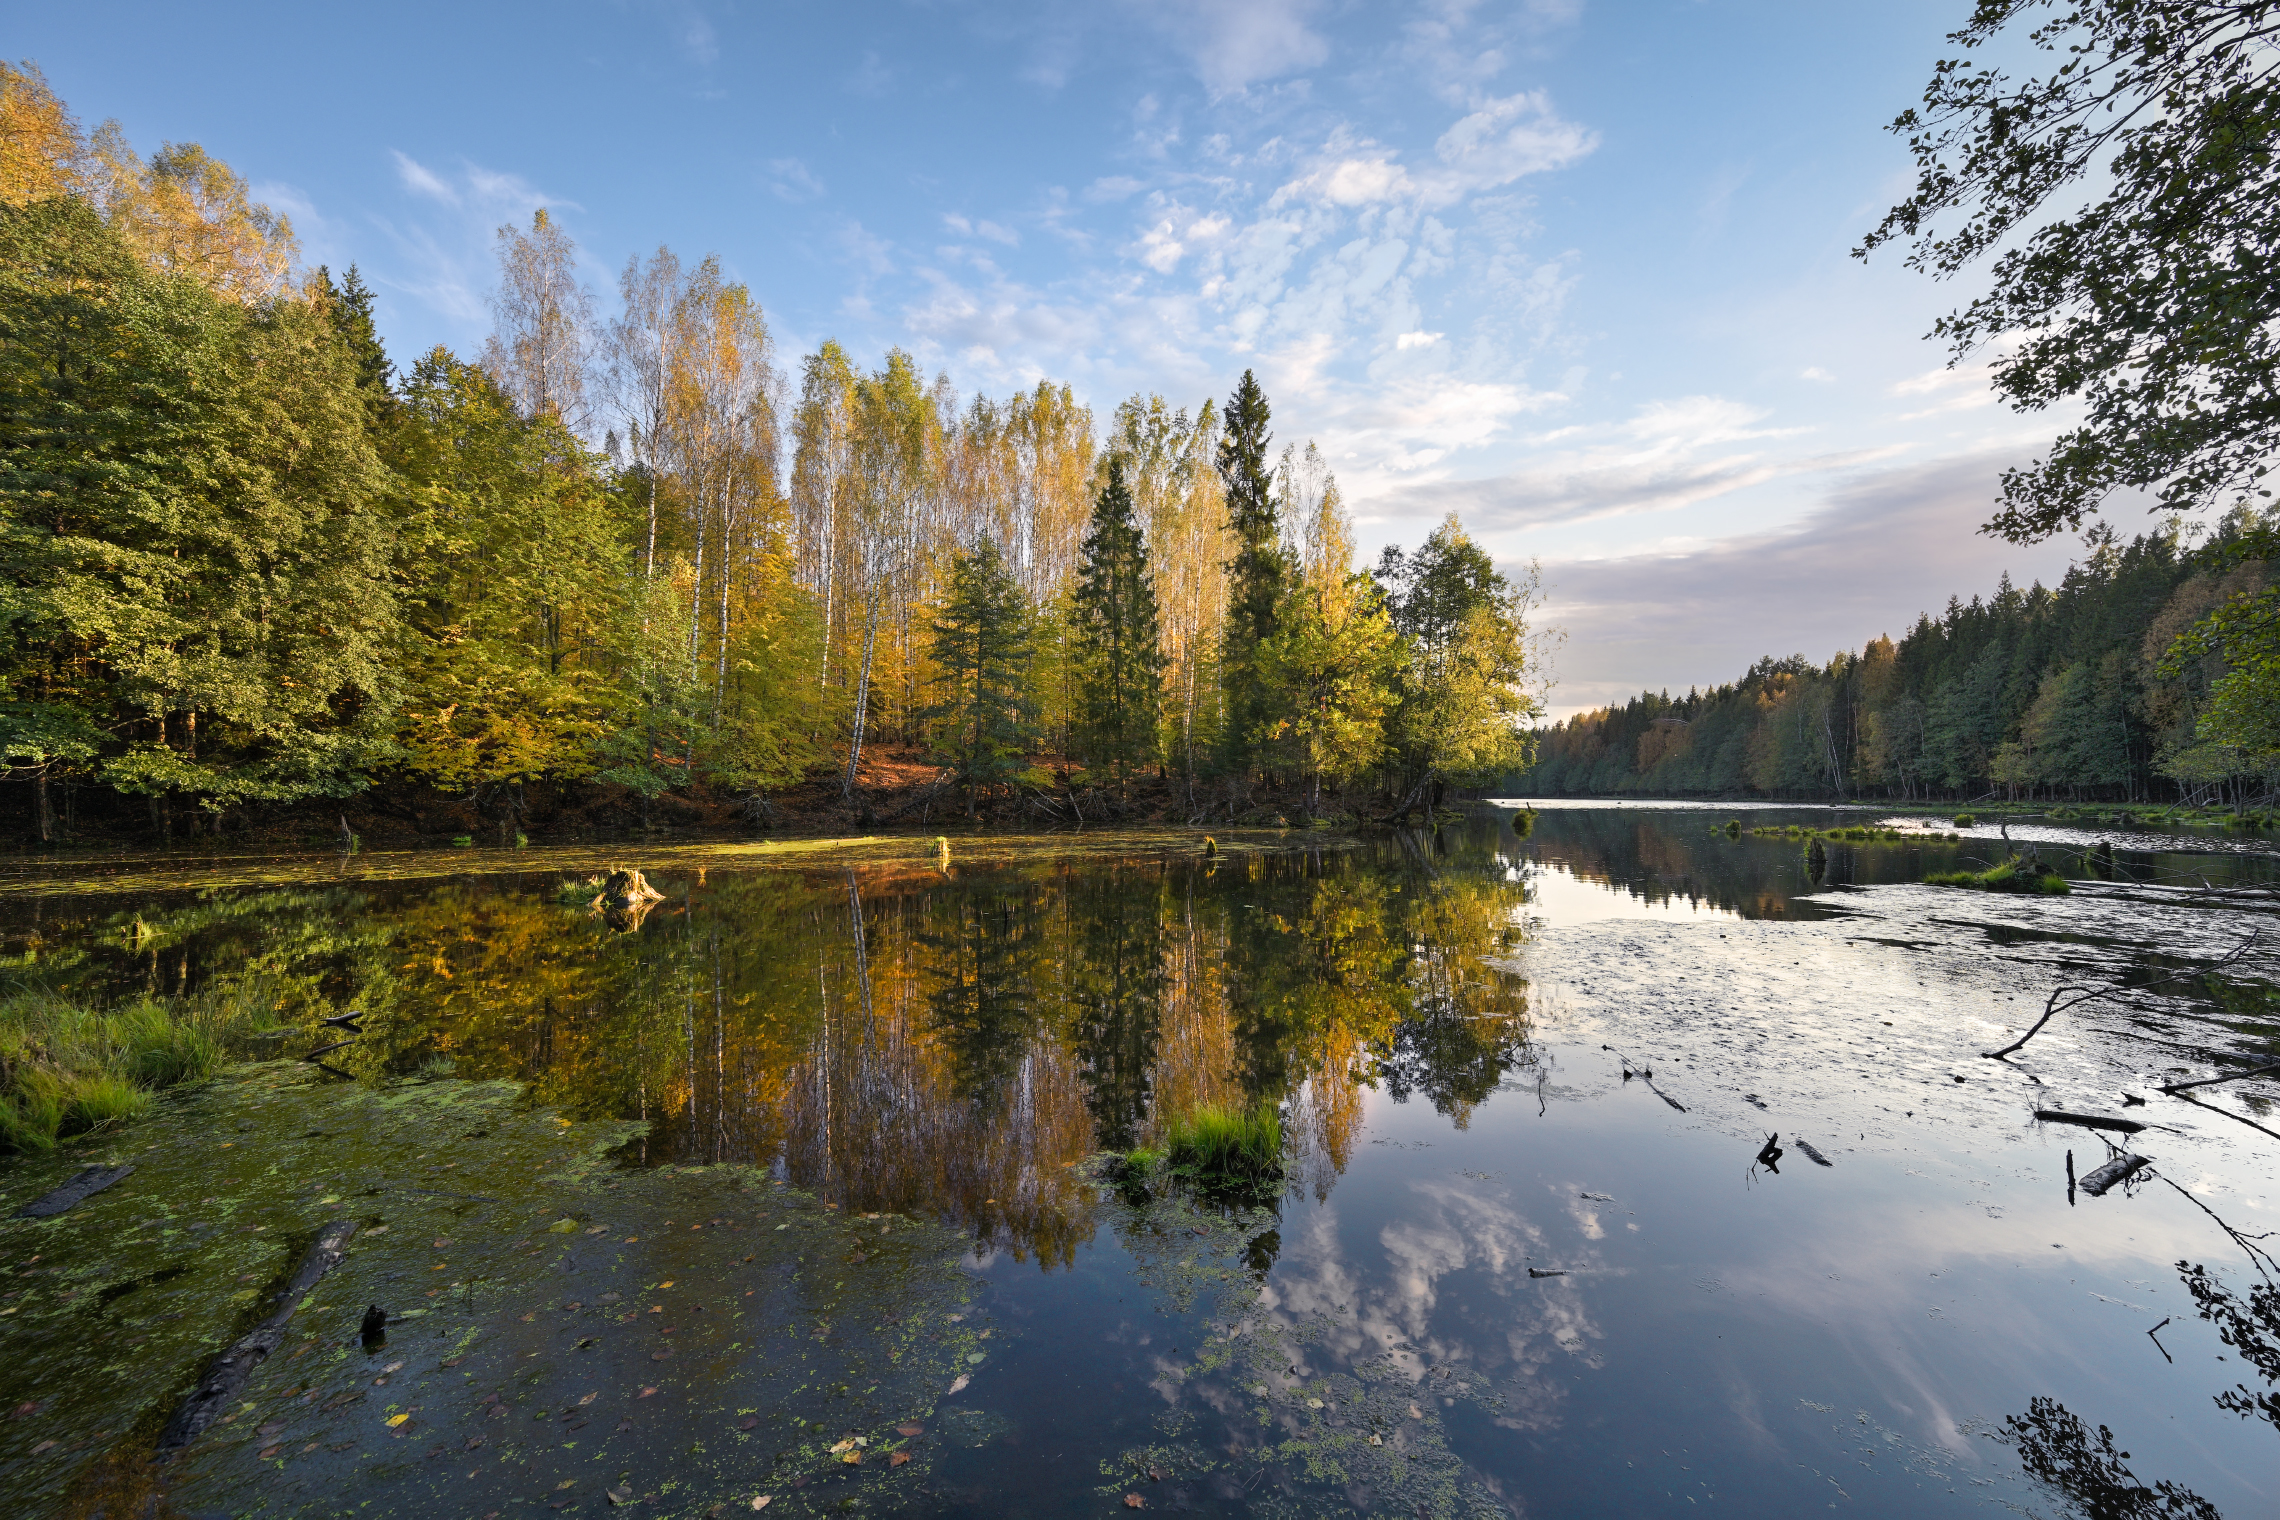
{"x": 2119, "y": 1170}
{"x": 2176, "y": 1088}
{"x": 90, "y": 1181}
{"x": 2053, "y": 1006}
{"x": 2088, "y": 1121}
{"x": 1811, "y": 1154}
{"x": 221, "y": 1381}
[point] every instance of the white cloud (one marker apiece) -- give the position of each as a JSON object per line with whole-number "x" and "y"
{"x": 1113, "y": 187}
{"x": 1490, "y": 147}
{"x": 1815, "y": 372}
{"x": 444, "y": 259}
{"x": 1236, "y": 43}
{"x": 1409, "y": 340}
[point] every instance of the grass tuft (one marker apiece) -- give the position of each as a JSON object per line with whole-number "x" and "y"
{"x": 1219, "y": 1143}
{"x": 2007, "y": 877}
{"x": 67, "y": 1069}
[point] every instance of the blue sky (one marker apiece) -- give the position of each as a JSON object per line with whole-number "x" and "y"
{"x": 1578, "y": 271}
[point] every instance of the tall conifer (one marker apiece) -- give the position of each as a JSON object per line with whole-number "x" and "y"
{"x": 1120, "y": 664}
{"x": 1258, "y": 576}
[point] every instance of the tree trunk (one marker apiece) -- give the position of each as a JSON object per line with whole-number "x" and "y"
{"x": 862, "y": 693}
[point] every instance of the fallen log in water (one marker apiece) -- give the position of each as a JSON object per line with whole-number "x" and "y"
{"x": 90, "y": 1181}
{"x": 228, "y": 1374}
{"x": 2115, "y": 1172}
{"x": 2088, "y": 1121}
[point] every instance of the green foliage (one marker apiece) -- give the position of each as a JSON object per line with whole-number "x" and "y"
{"x": 2137, "y": 300}
{"x": 1115, "y": 649}
{"x": 1965, "y": 821}
{"x": 2079, "y": 690}
{"x": 1461, "y": 700}
{"x": 1215, "y": 1143}
{"x": 984, "y": 716}
{"x": 192, "y": 563}
{"x": 516, "y": 580}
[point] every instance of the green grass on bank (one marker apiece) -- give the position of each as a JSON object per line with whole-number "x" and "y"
{"x": 2010, "y": 876}
{"x": 68, "y": 1069}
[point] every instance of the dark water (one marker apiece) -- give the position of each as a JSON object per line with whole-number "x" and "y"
{"x": 1524, "y": 1265}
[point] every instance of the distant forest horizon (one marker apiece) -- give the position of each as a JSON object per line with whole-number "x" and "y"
{"x": 2078, "y": 692}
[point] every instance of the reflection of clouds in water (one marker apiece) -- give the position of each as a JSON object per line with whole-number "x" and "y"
{"x": 1362, "y": 1315}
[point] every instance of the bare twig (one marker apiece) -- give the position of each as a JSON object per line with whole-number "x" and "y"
{"x": 2154, "y": 1335}
{"x": 2053, "y": 1006}
{"x": 2258, "y": 1257}
{"x": 2228, "y": 1113}
{"x": 2174, "y": 1088}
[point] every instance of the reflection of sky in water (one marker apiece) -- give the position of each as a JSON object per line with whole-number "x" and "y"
{"x": 1576, "y": 1278}
{"x": 1557, "y": 895}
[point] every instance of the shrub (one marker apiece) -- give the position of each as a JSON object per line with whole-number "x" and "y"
{"x": 1964, "y": 820}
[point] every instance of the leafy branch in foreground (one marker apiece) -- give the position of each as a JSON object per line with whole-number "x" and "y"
{"x": 2154, "y": 303}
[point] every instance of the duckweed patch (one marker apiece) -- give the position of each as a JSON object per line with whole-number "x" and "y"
{"x": 557, "y": 1325}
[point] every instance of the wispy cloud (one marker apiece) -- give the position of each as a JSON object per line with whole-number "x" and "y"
{"x": 442, "y": 248}
{"x": 1699, "y": 614}
{"x": 1668, "y": 456}
{"x": 792, "y": 180}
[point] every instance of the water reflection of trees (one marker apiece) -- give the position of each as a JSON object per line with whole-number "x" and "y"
{"x": 905, "y": 1041}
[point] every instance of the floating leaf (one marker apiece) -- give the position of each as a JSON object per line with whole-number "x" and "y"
{"x": 898, "y": 1459}
{"x": 749, "y": 1422}
{"x": 910, "y": 1430}
{"x": 1134, "y": 1501}
{"x": 979, "y": 1357}
{"x": 397, "y": 1419}
{"x": 1314, "y": 1403}
{"x": 760, "y": 1501}
{"x": 957, "y": 1386}
{"x": 621, "y": 1496}
{"x": 563, "y": 1227}
{"x": 589, "y": 1398}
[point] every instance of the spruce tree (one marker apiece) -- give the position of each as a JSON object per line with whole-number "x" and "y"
{"x": 349, "y": 305}
{"x": 1120, "y": 664}
{"x": 1259, "y": 575}
{"x": 983, "y": 642}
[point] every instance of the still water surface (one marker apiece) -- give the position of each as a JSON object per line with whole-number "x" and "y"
{"x": 838, "y": 1128}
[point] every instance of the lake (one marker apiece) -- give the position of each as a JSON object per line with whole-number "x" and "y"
{"x": 791, "y": 1184}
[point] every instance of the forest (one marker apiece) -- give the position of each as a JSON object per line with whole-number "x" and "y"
{"x": 253, "y": 567}
{"x": 2105, "y": 687}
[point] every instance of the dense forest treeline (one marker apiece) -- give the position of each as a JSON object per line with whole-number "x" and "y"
{"x": 2104, "y": 687}
{"x": 248, "y": 563}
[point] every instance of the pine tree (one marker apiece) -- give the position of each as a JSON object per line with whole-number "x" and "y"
{"x": 1119, "y": 661}
{"x": 985, "y": 718}
{"x": 1259, "y": 575}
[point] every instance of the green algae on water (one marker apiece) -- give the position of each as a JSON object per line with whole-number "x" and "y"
{"x": 559, "y": 1326}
